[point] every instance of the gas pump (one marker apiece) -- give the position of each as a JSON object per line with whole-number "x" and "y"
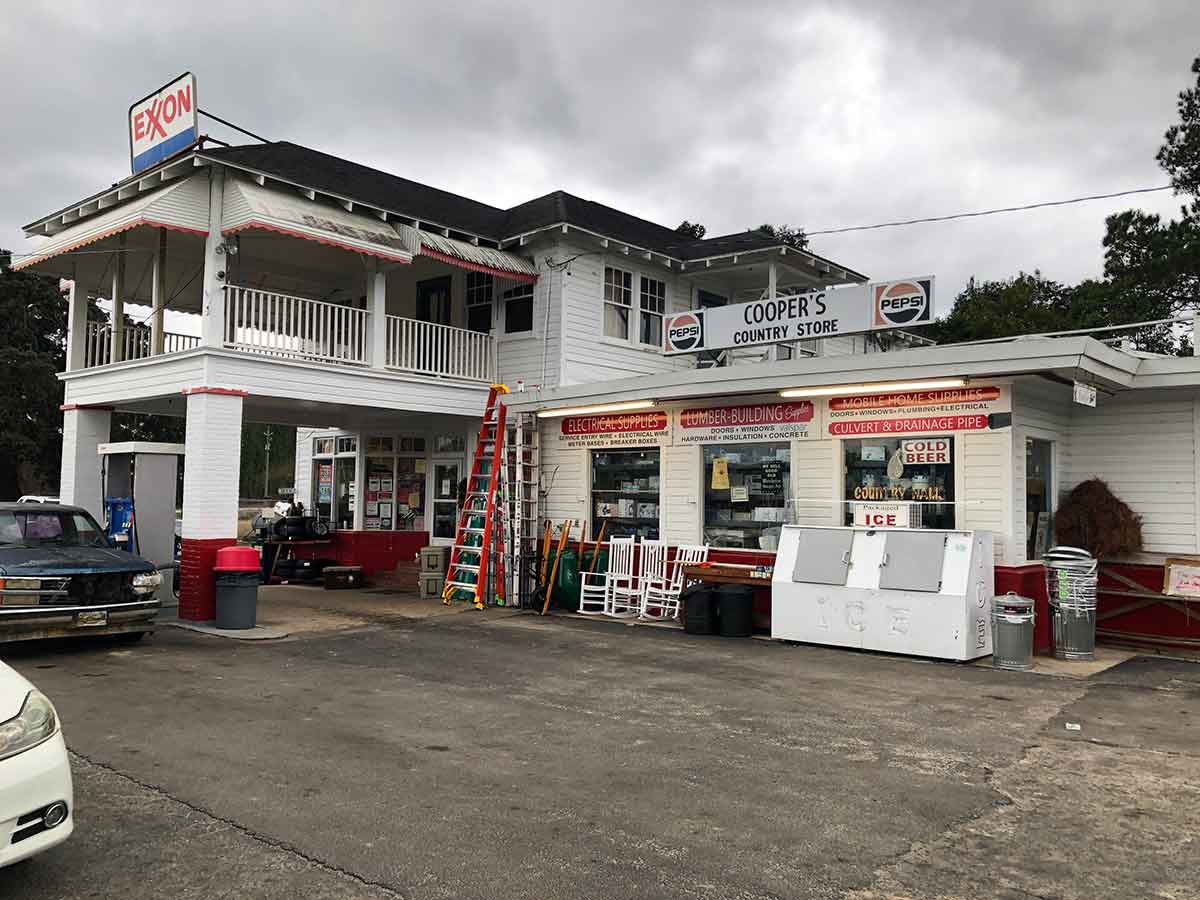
{"x": 139, "y": 479}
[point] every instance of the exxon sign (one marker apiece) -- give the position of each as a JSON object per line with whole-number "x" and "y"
{"x": 163, "y": 123}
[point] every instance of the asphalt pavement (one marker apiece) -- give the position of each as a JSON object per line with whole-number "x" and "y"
{"x": 506, "y": 755}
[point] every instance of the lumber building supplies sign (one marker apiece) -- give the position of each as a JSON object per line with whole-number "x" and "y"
{"x": 970, "y": 408}
{"x": 851, "y": 309}
{"x": 633, "y": 429}
{"x": 784, "y": 421}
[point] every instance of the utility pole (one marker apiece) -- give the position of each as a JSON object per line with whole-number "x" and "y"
{"x": 267, "y": 464}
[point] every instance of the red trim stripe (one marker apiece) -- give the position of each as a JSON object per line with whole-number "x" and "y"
{"x": 68, "y": 407}
{"x": 228, "y": 392}
{"x": 254, "y": 223}
{"x": 128, "y": 226}
{"x": 477, "y": 267}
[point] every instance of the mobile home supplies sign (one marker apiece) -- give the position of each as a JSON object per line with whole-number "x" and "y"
{"x": 851, "y": 309}
{"x": 634, "y": 429}
{"x": 970, "y": 408}
{"x": 753, "y": 422}
{"x": 163, "y": 123}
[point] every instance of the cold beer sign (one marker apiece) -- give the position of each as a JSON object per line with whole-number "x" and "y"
{"x": 163, "y": 123}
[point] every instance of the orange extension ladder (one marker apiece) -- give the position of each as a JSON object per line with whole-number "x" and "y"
{"x": 479, "y": 536}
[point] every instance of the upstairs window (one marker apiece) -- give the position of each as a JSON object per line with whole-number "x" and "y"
{"x": 480, "y": 291}
{"x": 653, "y": 301}
{"x": 518, "y": 309}
{"x": 618, "y": 301}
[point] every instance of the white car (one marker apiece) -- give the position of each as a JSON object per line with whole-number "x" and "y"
{"x": 36, "y": 795}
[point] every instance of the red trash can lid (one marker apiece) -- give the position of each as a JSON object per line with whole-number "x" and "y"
{"x": 237, "y": 559}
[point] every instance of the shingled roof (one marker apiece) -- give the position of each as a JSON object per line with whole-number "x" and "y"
{"x": 328, "y": 174}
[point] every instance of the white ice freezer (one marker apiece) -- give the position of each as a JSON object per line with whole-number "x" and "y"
{"x": 904, "y": 590}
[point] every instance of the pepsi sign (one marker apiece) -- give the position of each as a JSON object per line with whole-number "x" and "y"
{"x": 163, "y": 123}
{"x": 898, "y": 304}
{"x": 684, "y": 333}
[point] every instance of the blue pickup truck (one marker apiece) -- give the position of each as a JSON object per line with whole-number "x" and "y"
{"x": 60, "y": 576}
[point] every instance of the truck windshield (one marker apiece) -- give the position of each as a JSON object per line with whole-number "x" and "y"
{"x": 39, "y": 528}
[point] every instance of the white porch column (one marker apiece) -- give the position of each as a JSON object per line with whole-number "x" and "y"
{"x": 158, "y": 289}
{"x": 77, "y": 303}
{"x": 377, "y": 307}
{"x": 360, "y": 483}
{"x": 116, "y": 352}
{"x": 772, "y": 281}
{"x": 84, "y": 430}
{"x": 212, "y": 461}
{"x": 212, "y": 328}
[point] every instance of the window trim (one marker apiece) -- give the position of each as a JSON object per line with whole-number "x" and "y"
{"x": 474, "y": 284}
{"x": 644, "y": 313}
{"x": 631, "y": 308}
{"x": 504, "y": 300}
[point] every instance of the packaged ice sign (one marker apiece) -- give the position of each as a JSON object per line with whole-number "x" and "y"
{"x": 883, "y": 515}
{"x": 926, "y": 451}
{"x": 163, "y": 123}
{"x": 849, "y": 309}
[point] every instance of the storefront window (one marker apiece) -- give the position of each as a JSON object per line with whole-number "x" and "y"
{"x": 1038, "y": 521}
{"x": 323, "y": 446}
{"x": 449, "y": 443}
{"x": 323, "y": 487}
{"x": 410, "y": 492}
{"x": 625, "y": 493}
{"x": 911, "y": 477}
{"x": 346, "y": 491}
{"x": 381, "y": 493}
{"x": 381, "y": 444}
{"x": 745, "y": 494}
{"x": 347, "y": 444}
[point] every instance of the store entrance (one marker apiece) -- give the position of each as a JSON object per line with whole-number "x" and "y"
{"x": 447, "y": 478}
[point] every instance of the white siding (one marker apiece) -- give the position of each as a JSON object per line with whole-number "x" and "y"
{"x": 1143, "y": 444}
{"x": 535, "y": 357}
{"x": 816, "y": 470}
{"x": 563, "y": 479}
{"x": 681, "y": 490}
{"x": 985, "y": 460}
{"x": 587, "y": 354}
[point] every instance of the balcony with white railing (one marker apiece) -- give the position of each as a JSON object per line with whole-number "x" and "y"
{"x": 137, "y": 343}
{"x": 289, "y": 327}
{"x": 440, "y": 350}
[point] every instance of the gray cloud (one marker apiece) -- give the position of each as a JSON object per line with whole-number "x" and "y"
{"x": 728, "y": 113}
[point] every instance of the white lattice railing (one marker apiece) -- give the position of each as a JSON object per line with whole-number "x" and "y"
{"x": 136, "y": 343}
{"x": 294, "y": 327}
{"x": 431, "y": 349}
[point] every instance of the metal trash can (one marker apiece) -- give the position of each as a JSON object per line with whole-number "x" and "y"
{"x": 1072, "y": 575}
{"x": 1012, "y": 632}
{"x": 238, "y": 572}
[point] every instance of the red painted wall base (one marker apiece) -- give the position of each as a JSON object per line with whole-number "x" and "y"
{"x": 197, "y": 583}
{"x": 375, "y": 551}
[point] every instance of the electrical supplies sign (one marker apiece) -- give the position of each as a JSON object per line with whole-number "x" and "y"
{"x": 632, "y": 429}
{"x": 850, "y": 309}
{"x": 163, "y": 123}
{"x": 970, "y": 408}
{"x": 788, "y": 421}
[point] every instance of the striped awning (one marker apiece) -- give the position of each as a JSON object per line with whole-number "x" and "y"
{"x": 248, "y": 205}
{"x": 500, "y": 263}
{"x": 182, "y": 206}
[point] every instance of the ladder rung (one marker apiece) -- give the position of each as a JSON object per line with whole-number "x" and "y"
{"x": 469, "y": 568}
{"x": 465, "y": 585}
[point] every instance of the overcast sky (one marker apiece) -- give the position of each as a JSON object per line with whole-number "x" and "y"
{"x": 813, "y": 114}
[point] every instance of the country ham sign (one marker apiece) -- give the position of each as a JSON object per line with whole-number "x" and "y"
{"x": 949, "y": 410}
{"x": 787, "y": 421}
{"x": 632, "y": 429}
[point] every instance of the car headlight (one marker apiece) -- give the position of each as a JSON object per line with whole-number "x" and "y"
{"x": 35, "y": 723}
{"x": 146, "y": 582}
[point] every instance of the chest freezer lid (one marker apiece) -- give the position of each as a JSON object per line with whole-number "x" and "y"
{"x": 914, "y": 561}
{"x": 823, "y": 555}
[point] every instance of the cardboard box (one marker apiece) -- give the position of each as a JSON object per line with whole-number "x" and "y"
{"x": 606, "y": 509}
{"x": 627, "y": 508}
{"x": 647, "y": 510}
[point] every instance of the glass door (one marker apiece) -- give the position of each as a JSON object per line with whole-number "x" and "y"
{"x": 446, "y": 478}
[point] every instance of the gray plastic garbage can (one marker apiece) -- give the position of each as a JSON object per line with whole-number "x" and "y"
{"x": 1012, "y": 632}
{"x": 238, "y": 575}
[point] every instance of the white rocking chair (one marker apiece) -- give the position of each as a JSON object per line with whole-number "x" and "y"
{"x": 596, "y": 588}
{"x": 625, "y": 598}
{"x": 660, "y": 600}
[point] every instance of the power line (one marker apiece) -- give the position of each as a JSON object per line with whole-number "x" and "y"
{"x": 986, "y": 212}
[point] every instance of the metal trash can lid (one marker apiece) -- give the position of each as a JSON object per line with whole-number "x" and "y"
{"x": 1012, "y": 601}
{"x": 237, "y": 559}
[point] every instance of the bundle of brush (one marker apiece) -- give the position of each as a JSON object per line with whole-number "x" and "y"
{"x": 1092, "y": 517}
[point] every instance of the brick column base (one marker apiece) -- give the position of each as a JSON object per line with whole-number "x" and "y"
{"x": 197, "y": 583}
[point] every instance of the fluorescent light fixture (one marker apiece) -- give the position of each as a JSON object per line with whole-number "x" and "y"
{"x": 930, "y": 384}
{"x": 624, "y": 406}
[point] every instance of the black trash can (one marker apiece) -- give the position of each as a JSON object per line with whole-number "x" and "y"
{"x": 735, "y": 610}
{"x": 238, "y": 571}
{"x": 699, "y": 611}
